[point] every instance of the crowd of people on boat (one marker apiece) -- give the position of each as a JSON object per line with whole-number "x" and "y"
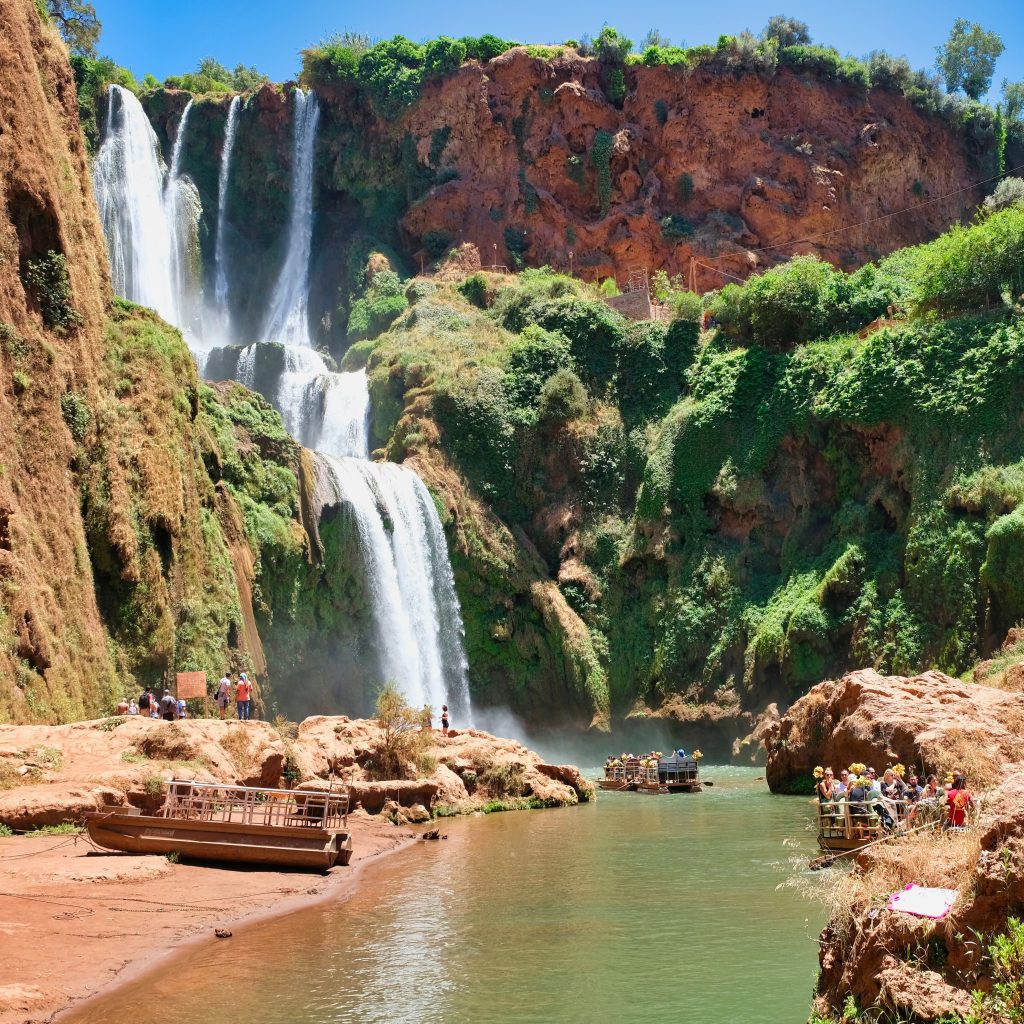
{"x": 897, "y": 801}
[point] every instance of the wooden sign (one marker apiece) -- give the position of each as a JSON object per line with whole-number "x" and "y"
{"x": 191, "y": 684}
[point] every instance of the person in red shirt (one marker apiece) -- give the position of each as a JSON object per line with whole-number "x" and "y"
{"x": 958, "y": 803}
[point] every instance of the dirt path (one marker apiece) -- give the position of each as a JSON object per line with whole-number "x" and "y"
{"x": 73, "y": 920}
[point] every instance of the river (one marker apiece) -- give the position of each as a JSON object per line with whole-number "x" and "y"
{"x": 634, "y": 908}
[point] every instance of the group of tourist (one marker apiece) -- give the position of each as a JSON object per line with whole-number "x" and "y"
{"x": 171, "y": 708}
{"x": 168, "y": 707}
{"x": 895, "y": 802}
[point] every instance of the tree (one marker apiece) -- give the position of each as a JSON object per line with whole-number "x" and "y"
{"x": 245, "y": 79}
{"x": 653, "y": 38}
{"x": 78, "y": 25}
{"x": 1013, "y": 100}
{"x": 787, "y": 31}
{"x": 968, "y": 59}
{"x": 210, "y": 67}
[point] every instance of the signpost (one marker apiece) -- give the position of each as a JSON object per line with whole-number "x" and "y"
{"x": 192, "y": 686}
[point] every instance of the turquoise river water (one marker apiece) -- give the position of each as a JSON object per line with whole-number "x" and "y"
{"x": 635, "y": 908}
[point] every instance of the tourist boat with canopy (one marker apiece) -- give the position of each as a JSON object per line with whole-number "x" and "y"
{"x": 290, "y": 828}
{"x": 678, "y": 772}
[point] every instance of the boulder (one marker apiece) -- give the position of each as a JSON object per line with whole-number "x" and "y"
{"x": 372, "y": 796}
{"x": 930, "y": 720}
{"x": 32, "y": 807}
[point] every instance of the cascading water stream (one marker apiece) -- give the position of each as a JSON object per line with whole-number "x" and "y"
{"x": 128, "y": 181}
{"x": 223, "y": 178}
{"x": 288, "y": 312}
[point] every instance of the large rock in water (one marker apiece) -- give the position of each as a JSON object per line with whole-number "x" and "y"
{"x": 931, "y": 720}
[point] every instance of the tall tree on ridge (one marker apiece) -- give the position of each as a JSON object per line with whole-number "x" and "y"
{"x": 968, "y": 59}
{"x": 78, "y": 25}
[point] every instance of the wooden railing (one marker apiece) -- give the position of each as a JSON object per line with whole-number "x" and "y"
{"x": 247, "y": 805}
{"x": 841, "y": 819}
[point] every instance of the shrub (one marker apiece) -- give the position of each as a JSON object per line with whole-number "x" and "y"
{"x": 404, "y": 734}
{"x": 968, "y": 268}
{"x": 1009, "y": 192}
{"x": 673, "y": 56}
{"x": 373, "y": 312}
{"x": 600, "y": 157}
{"x": 503, "y": 780}
{"x": 77, "y": 414}
{"x": 517, "y": 241}
{"x": 685, "y": 187}
{"x": 46, "y": 278}
{"x": 392, "y": 73}
{"x": 673, "y": 226}
{"x": 786, "y": 31}
{"x": 437, "y": 243}
{"x": 594, "y": 331}
{"x": 562, "y": 398}
{"x": 827, "y": 63}
{"x": 474, "y": 289}
{"x": 534, "y": 357}
{"x": 442, "y": 56}
{"x": 661, "y": 111}
{"x": 486, "y": 48}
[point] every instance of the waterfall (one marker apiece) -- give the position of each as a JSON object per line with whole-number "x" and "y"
{"x": 128, "y": 180}
{"x": 287, "y": 316}
{"x": 220, "y": 262}
{"x": 321, "y": 409}
{"x": 412, "y": 595}
{"x": 183, "y": 210}
{"x": 150, "y": 217}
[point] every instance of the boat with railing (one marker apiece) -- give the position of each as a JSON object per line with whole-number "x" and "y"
{"x": 678, "y": 772}
{"x": 301, "y": 828}
{"x": 845, "y": 825}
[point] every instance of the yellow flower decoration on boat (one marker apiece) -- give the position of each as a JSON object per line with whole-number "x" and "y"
{"x": 819, "y": 772}
{"x": 949, "y": 777}
{"x": 899, "y": 770}
{"x": 858, "y": 768}
{"x": 697, "y": 755}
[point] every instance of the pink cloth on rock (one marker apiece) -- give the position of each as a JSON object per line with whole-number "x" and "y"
{"x": 923, "y": 902}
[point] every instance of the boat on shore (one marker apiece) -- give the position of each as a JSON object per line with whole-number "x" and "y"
{"x": 289, "y": 828}
{"x": 678, "y": 772}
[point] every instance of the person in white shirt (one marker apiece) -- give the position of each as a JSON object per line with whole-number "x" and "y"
{"x": 224, "y": 694}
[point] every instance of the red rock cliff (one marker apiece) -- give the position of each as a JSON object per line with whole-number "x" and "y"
{"x": 767, "y": 160}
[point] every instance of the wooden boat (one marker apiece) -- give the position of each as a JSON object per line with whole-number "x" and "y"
{"x": 843, "y": 826}
{"x": 299, "y": 828}
{"x": 676, "y": 773}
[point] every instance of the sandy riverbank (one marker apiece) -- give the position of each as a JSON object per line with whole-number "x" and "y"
{"x": 74, "y": 920}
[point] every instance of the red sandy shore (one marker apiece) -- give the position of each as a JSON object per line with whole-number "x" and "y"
{"x": 74, "y": 921}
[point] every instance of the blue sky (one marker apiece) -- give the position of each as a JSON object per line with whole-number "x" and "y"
{"x": 169, "y": 38}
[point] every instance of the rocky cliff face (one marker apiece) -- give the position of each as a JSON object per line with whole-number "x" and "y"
{"x": 136, "y": 504}
{"x": 527, "y": 159}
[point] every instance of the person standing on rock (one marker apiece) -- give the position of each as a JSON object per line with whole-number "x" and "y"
{"x": 145, "y": 702}
{"x": 444, "y": 719}
{"x": 133, "y": 708}
{"x": 224, "y": 694}
{"x": 240, "y": 697}
{"x": 958, "y": 803}
{"x": 168, "y": 707}
{"x": 122, "y": 706}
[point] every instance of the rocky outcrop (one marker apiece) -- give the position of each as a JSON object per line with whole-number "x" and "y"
{"x": 54, "y": 774}
{"x": 921, "y": 970}
{"x": 932, "y": 721}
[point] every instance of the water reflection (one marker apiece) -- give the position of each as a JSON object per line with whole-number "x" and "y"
{"x": 636, "y": 908}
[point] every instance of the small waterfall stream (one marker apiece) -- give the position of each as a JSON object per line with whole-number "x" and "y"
{"x": 223, "y": 178}
{"x": 150, "y": 219}
{"x": 287, "y": 315}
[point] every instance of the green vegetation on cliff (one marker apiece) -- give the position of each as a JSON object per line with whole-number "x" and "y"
{"x": 733, "y": 517}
